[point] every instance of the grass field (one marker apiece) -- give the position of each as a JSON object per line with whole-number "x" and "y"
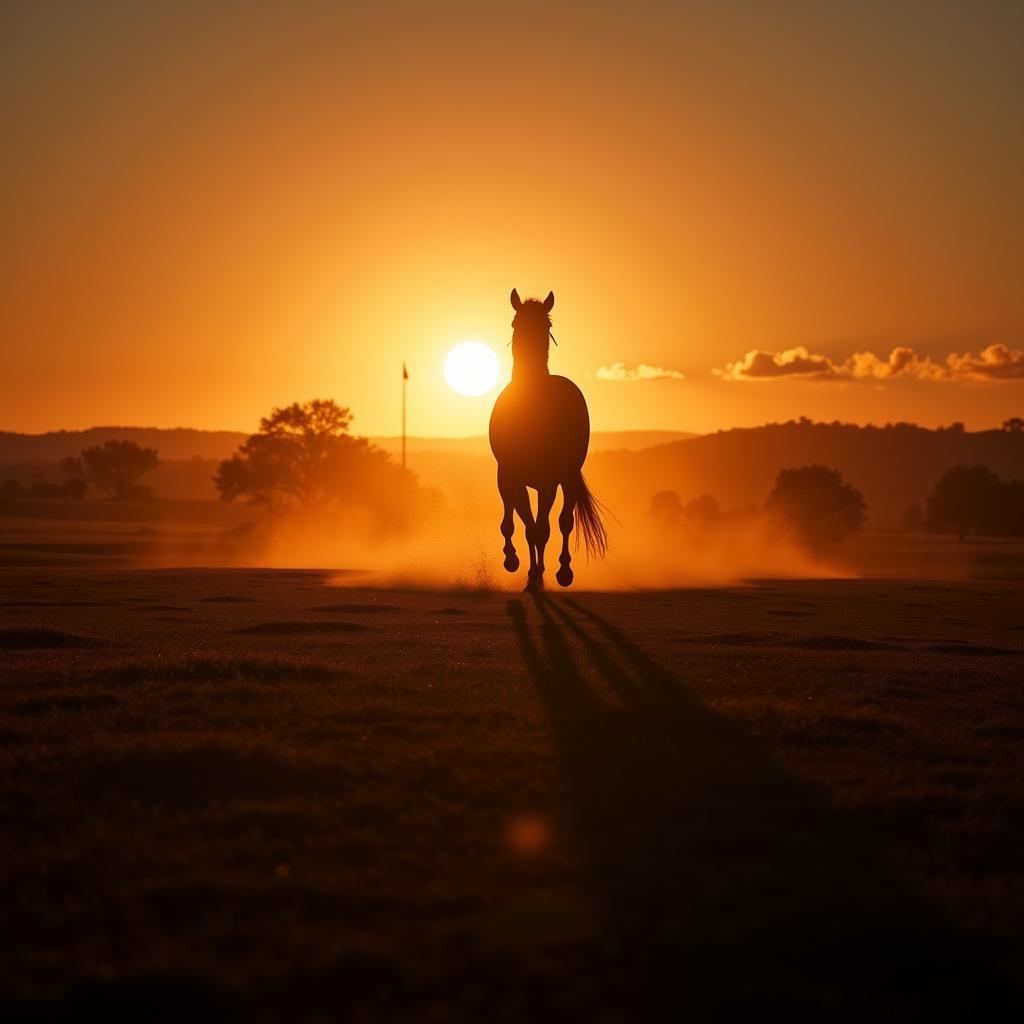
{"x": 258, "y": 795}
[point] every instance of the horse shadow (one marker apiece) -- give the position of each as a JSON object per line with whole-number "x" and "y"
{"x": 725, "y": 888}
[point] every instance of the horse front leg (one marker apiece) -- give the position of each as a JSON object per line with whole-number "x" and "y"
{"x": 566, "y": 519}
{"x": 508, "y": 523}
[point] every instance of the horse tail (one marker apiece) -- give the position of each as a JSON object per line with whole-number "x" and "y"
{"x": 590, "y": 520}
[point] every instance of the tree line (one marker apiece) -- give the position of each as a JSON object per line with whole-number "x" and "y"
{"x": 113, "y": 468}
{"x": 812, "y": 503}
{"x": 816, "y": 506}
{"x": 303, "y": 460}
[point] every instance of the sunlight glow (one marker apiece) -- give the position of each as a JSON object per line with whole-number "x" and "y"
{"x": 471, "y": 368}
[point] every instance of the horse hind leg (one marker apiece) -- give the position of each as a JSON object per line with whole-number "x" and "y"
{"x": 566, "y": 520}
{"x": 521, "y": 500}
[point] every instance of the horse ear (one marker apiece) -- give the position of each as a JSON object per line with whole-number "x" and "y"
{"x": 516, "y": 301}
{"x": 549, "y": 302}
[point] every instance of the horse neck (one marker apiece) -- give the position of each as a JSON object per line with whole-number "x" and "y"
{"x": 529, "y": 359}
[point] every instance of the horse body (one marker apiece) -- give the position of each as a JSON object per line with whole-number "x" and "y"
{"x": 540, "y": 429}
{"x": 539, "y": 434}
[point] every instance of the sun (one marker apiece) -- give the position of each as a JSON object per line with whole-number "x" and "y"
{"x": 471, "y": 368}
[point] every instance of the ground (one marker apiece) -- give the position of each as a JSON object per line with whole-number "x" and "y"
{"x": 240, "y": 794}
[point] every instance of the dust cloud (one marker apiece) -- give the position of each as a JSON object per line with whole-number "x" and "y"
{"x": 462, "y": 551}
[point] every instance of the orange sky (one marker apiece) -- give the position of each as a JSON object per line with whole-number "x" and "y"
{"x": 214, "y": 208}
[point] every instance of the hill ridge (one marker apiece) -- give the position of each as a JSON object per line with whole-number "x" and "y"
{"x": 194, "y": 442}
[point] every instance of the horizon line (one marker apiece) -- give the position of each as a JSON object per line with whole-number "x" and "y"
{"x": 800, "y": 420}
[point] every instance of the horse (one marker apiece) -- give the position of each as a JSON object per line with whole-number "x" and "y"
{"x": 539, "y": 434}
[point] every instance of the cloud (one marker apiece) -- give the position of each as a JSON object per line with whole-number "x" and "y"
{"x": 902, "y": 362}
{"x": 793, "y": 362}
{"x": 996, "y": 362}
{"x": 619, "y": 371}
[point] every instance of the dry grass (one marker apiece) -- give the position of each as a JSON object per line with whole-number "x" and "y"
{"x": 248, "y": 795}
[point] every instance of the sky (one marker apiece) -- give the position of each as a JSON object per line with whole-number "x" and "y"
{"x": 748, "y": 212}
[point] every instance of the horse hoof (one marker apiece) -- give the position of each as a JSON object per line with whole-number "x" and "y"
{"x": 534, "y": 583}
{"x": 511, "y": 562}
{"x": 564, "y": 576}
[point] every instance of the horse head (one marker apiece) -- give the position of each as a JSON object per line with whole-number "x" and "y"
{"x": 531, "y": 329}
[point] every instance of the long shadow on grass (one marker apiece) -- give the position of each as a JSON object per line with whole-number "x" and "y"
{"x": 727, "y": 888}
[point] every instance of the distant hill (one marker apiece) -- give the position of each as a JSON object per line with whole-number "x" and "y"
{"x": 629, "y": 440}
{"x": 177, "y": 443}
{"x": 462, "y": 467}
{"x": 186, "y": 443}
{"x": 891, "y": 465}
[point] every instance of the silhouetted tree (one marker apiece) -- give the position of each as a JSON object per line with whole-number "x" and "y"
{"x": 816, "y": 505}
{"x": 966, "y": 499}
{"x": 293, "y": 460}
{"x": 913, "y": 518}
{"x": 666, "y": 508}
{"x": 117, "y": 466}
{"x": 1014, "y": 425}
{"x": 704, "y": 509}
{"x": 304, "y": 459}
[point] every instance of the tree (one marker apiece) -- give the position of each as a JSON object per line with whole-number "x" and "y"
{"x": 117, "y": 466}
{"x": 304, "y": 459}
{"x": 965, "y": 499}
{"x": 666, "y": 509}
{"x": 816, "y": 505}
{"x": 1014, "y": 425}
{"x": 704, "y": 509}
{"x": 289, "y": 462}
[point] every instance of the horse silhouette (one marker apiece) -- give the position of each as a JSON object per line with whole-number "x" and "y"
{"x": 539, "y": 433}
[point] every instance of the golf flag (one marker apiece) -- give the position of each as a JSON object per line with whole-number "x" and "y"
{"x": 405, "y": 377}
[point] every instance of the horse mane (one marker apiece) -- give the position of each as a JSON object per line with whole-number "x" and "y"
{"x": 533, "y": 309}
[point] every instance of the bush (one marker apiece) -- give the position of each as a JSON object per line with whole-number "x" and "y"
{"x": 816, "y": 506}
